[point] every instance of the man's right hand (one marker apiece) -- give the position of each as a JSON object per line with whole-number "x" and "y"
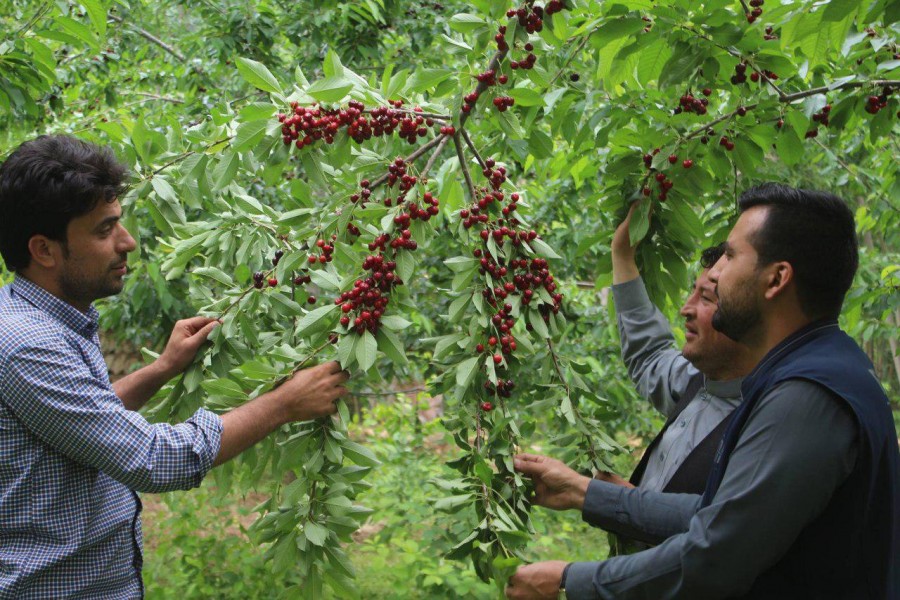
{"x": 556, "y": 486}
{"x": 623, "y": 253}
{"x": 311, "y": 393}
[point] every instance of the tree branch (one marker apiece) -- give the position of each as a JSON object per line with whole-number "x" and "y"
{"x": 424, "y": 173}
{"x": 150, "y": 37}
{"x": 411, "y": 158}
{"x": 465, "y": 135}
{"x": 464, "y": 166}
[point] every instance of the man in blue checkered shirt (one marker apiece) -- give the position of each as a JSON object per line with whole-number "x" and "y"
{"x": 73, "y": 449}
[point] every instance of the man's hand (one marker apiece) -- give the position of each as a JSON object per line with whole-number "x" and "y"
{"x": 623, "y": 253}
{"x": 538, "y": 581}
{"x": 556, "y": 486}
{"x": 613, "y": 478}
{"x": 311, "y": 393}
{"x": 187, "y": 337}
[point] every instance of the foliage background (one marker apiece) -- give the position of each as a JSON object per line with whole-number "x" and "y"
{"x": 159, "y": 80}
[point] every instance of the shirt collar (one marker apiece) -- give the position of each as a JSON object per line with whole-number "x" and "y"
{"x": 728, "y": 388}
{"x": 85, "y": 324}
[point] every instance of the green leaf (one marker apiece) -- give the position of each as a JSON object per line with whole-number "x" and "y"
{"x": 316, "y": 320}
{"x": 216, "y": 274}
{"x": 97, "y": 12}
{"x": 541, "y": 248}
{"x": 315, "y": 533}
{"x": 837, "y": 10}
{"x": 466, "y": 23}
{"x": 391, "y": 346}
{"x": 225, "y": 170}
{"x": 366, "y": 351}
{"x": 527, "y": 96}
{"x": 330, "y": 89}
{"x": 394, "y": 323}
{"x": 249, "y": 134}
{"x": 224, "y": 387}
{"x": 426, "y": 79}
{"x": 257, "y": 75}
{"x": 359, "y": 454}
{"x": 466, "y": 370}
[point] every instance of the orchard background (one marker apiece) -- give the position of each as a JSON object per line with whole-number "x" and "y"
{"x": 426, "y": 191}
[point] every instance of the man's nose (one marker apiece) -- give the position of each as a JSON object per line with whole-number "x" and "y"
{"x": 126, "y": 242}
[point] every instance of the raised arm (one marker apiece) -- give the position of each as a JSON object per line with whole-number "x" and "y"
{"x": 655, "y": 365}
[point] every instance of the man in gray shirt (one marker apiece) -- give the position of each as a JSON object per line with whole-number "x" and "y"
{"x": 696, "y": 388}
{"x": 796, "y": 513}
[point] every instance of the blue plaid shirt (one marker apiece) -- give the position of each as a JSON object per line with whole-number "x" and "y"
{"x": 72, "y": 457}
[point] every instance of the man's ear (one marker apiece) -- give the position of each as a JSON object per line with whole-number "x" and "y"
{"x": 44, "y": 251}
{"x": 779, "y": 275}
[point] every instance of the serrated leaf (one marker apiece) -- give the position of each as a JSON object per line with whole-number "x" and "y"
{"x": 224, "y": 387}
{"x": 391, "y": 346}
{"x": 216, "y": 274}
{"x": 315, "y": 533}
{"x": 366, "y": 351}
{"x": 249, "y": 134}
{"x": 359, "y": 454}
{"x": 466, "y": 23}
{"x": 537, "y": 324}
{"x": 316, "y": 320}
{"x": 541, "y": 248}
{"x": 394, "y": 323}
{"x": 257, "y": 75}
{"x": 330, "y": 89}
{"x": 465, "y": 371}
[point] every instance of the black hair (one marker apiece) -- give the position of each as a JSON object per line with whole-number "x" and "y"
{"x": 47, "y": 182}
{"x": 710, "y": 256}
{"x": 813, "y": 231}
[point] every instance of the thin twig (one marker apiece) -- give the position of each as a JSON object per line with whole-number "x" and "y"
{"x": 28, "y": 24}
{"x": 434, "y": 116}
{"x": 424, "y": 173}
{"x": 391, "y": 393}
{"x": 463, "y": 166}
{"x": 152, "y": 38}
{"x": 569, "y": 59}
{"x": 465, "y": 135}
{"x": 592, "y": 450}
{"x": 890, "y": 83}
{"x": 745, "y": 7}
{"x": 494, "y": 64}
{"x": 158, "y": 97}
{"x": 184, "y": 156}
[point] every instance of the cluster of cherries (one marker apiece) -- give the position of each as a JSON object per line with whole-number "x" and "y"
{"x": 531, "y": 18}
{"x": 303, "y": 126}
{"x": 513, "y": 277}
{"x": 874, "y": 104}
{"x": 821, "y": 117}
{"x": 369, "y": 296}
{"x": 754, "y": 14}
{"x": 769, "y": 35}
{"x": 324, "y": 257}
{"x": 740, "y": 73}
{"x": 691, "y": 104}
{"x": 488, "y": 78}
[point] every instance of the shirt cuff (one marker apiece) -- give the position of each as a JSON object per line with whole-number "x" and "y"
{"x": 207, "y": 443}
{"x": 630, "y": 295}
{"x": 601, "y": 502}
{"x": 580, "y": 581}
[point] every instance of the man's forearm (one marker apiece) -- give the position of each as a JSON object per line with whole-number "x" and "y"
{"x": 249, "y": 423}
{"x": 135, "y": 389}
{"x": 624, "y": 268}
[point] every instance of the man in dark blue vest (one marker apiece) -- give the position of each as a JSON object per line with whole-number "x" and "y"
{"x": 804, "y": 497}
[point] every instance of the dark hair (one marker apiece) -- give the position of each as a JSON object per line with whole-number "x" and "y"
{"x": 814, "y": 232}
{"x": 47, "y": 182}
{"x": 710, "y": 256}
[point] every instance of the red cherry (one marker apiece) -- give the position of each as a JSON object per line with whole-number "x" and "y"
{"x": 311, "y": 300}
{"x": 672, "y": 159}
{"x": 273, "y": 282}
{"x": 687, "y": 163}
{"x": 498, "y": 359}
{"x": 487, "y": 406}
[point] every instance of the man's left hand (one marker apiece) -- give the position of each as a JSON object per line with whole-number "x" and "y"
{"x": 538, "y": 581}
{"x": 187, "y": 337}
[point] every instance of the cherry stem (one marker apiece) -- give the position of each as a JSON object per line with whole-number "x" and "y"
{"x": 745, "y": 7}
{"x": 592, "y": 450}
{"x": 434, "y": 116}
{"x": 565, "y": 65}
{"x": 185, "y": 155}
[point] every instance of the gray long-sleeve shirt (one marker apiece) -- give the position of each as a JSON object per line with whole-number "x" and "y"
{"x": 662, "y": 375}
{"x": 798, "y": 446}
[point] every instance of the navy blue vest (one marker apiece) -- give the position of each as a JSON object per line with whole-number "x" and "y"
{"x": 851, "y": 550}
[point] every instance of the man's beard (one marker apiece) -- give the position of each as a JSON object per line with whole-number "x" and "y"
{"x": 76, "y": 286}
{"x": 736, "y": 315}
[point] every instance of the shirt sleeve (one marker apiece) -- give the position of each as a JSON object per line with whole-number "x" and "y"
{"x": 638, "y": 513}
{"x": 54, "y": 394}
{"x": 658, "y": 369}
{"x": 797, "y": 448}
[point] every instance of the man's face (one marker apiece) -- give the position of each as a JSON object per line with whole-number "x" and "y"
{"x": 738, "y": 281}
{"x": 95, "y": 254}
{"x": 707, "y": 349}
